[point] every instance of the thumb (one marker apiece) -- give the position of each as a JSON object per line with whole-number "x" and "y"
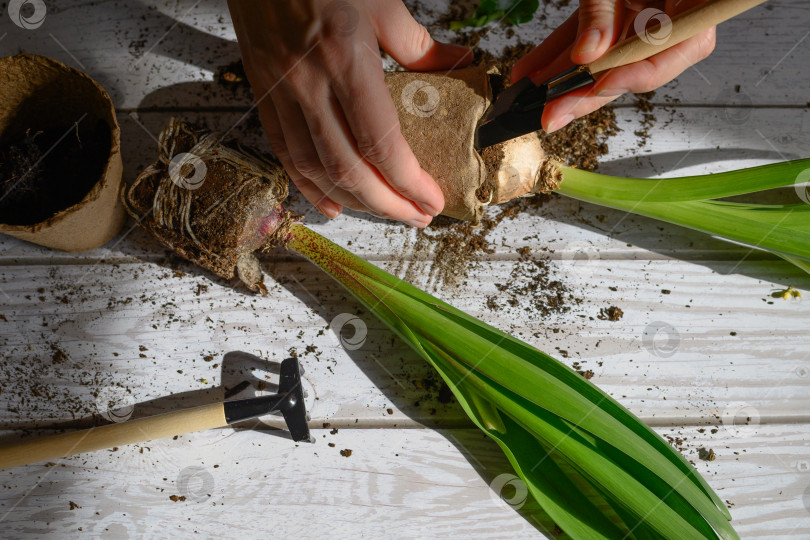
{"x": 599, "y": 24}
{"x": 409, "y": 43}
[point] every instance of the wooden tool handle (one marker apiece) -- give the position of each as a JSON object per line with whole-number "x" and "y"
{"x": 667, "y": 34}
{"x": 110, "y": 435}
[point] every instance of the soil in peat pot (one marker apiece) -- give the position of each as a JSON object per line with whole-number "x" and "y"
{"x": 45, "y": 171}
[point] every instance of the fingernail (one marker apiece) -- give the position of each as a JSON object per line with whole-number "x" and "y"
{"x": 611, "y": 92}
{"x": 420, "y": 223}
{"x": 588, "y": 41}
{"x": 427, "y": 209}
{"x": 328, "y": 210}
{"x": 560, "y": 123}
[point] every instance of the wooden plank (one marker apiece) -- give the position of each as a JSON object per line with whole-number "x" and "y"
{"x": 164, "y": 53}
{"x": 719, "y": 339}
{"x": 397, "y": 483}
{"x": 683, "y": 142}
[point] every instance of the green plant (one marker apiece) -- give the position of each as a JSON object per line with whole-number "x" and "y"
{"x": 695, "y": 202}
{"x": 511, "y": 11}
{"x": 594, "y": 468}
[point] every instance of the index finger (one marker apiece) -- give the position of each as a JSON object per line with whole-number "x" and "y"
{"x": 374, "y": 123}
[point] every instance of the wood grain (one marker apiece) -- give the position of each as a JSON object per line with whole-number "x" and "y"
{"x": 130, "y": 324}
{"x": 732, "y": 342}
{"x": 397, "y": 483}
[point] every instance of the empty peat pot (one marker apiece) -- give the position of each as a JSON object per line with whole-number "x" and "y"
{"x": 60, "y": 159}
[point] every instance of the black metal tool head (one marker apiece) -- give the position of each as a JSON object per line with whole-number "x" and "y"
{"x": 508, "y": 117}
{"x": 289, "y": 401}
{"x": 518, "y": 110}
{"x": 293, "y": 407}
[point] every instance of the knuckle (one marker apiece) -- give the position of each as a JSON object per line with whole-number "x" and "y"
{"x": 284, "y": 62}
{"x": 294, "y": 80}
{"x": 377, "y": 151}
{"x": 340, "y": 174}
{"x": 306, "y": 187}
{"x": 349, "y": 181}
{"x": 421, "y": 40}
{"x": 308, "y": 166}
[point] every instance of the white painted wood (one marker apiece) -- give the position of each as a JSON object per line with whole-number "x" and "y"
{"x": 122, "y": 309}
{"x": 265, "y": 484}
{"x": 397, "y": 483}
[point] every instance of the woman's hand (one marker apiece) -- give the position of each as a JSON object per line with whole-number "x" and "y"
{"x": 316, "y": 73}
{"x": 587, "y": 34}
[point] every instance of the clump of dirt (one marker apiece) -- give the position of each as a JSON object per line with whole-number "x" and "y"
{"x": 706, "y": 454}
{"x": 219, "y": 235}
{"x": 46, "y": 171}
{"x": 611, "y": 313}
{"x": 586, "y": 373}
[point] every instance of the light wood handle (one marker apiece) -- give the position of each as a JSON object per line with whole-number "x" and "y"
{"x": 110, "y": 435}
{"x": 658, "y": 38}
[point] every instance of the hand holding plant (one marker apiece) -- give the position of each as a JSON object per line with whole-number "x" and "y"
{"x": 316, "y": 73}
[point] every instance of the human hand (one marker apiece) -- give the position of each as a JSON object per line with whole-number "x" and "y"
{"x": 587, "y": 35}
{"x": 316, "y": 73}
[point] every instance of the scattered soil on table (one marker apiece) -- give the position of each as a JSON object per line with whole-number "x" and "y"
{"x": 452, "y": 245}
{"x": 533, "y": 287}
{"x": 346, "y": 452}
{"x": 587, "y": 373}
{"x": 46, "y": 171}
{"x": 28, "y": 387}
{"x": 611, "y": 313}
{"x": 644, "y": 106}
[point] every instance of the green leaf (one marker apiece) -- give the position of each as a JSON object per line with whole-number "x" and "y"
{"x": 591, "y": 465}
{"x": 686, "y": 188}
{"x": 692, "y": 202}
{"x": 511, "y": 11}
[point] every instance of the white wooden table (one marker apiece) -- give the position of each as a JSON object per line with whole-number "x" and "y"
{"x": 735, "y": 377}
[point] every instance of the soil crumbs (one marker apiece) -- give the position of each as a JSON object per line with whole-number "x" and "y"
{"x": 46, "y": 171}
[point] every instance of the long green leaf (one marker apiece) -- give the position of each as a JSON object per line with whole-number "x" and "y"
{"x": 686, "y": 188}
{"x": 526, "y": 400}
{"x": 781, "y": 229}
